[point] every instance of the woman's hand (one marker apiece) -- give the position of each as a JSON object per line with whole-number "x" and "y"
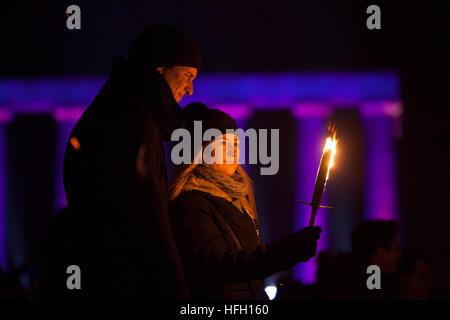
{"x": 307, "y": 242}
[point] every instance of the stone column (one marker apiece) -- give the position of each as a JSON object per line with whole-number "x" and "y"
{"x": 5, "y": 117}
{"x": 382, "y": 124}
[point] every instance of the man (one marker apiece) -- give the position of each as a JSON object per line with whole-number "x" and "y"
{"x": 375, "y": 242}
{"x": 116, "y": 227}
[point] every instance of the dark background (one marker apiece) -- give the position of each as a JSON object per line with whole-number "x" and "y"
{"x": 258, "y": 36}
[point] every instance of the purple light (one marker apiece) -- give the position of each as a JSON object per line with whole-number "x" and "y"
{"x": 5, "y": 115}
{"x": 42, "y": 94}
{"x": 68, "y": 114}
{"x": 306, "y": 110}
{"x": 281, "y": 90}
{"x": 237, "y": 112}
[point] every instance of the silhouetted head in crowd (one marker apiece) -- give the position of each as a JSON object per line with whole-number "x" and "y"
{"x": 413, "y": 277}
{"x": 375, "y": 242}
{"x": 335, "y": 275}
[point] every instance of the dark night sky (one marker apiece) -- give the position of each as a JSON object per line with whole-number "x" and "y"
{"x": 242, "y": 36}
{"x": 233, "y": 36}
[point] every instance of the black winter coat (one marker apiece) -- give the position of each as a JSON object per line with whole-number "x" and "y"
{"x": 116, "y": 187}
{"x": 222, "y": 253}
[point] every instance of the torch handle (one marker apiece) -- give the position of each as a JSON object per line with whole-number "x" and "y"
{"x": 313, "y": 216}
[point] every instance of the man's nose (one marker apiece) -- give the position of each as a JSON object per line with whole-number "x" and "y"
{"x": 189, "y": 88}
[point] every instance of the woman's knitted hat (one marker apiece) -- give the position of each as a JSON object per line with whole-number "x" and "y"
{"x": 210, "y": 118}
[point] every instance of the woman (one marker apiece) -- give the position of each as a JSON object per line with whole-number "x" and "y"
{"x": 215, "y": 222}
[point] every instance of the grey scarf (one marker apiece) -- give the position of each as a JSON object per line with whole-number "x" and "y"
{"x": 234, "y": 185}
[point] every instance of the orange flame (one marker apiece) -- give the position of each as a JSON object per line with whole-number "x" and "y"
{"x": 330, "y": 144}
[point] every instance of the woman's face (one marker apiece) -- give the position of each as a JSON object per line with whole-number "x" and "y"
{"x": 227, "y": 146}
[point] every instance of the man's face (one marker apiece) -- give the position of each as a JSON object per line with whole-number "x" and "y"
{"x": 180, "y": 80}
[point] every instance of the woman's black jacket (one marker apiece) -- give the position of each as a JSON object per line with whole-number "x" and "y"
{"x": 221, "y": 251}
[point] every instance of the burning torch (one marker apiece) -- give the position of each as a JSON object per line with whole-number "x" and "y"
{"x": 326, "y": 162}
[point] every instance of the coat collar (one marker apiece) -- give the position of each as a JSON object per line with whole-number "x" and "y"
{"x": 149, "y": 89}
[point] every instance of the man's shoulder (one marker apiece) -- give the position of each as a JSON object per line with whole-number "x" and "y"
{"x": 128, "y": 115}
